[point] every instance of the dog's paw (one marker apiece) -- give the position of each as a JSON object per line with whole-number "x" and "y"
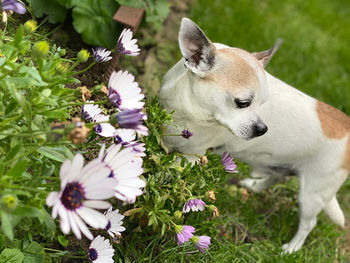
{"x": 291, "y": 247}
{"x": 254, "y": 185}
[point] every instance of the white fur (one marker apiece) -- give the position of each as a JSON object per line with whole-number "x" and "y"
{"x": 294, "y": 138}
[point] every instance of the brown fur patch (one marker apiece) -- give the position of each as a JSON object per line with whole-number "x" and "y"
{"x": 234, "y": 71}
{"x": 335, "y": 125}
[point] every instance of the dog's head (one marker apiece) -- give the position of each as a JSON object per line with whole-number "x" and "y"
{"x": 230, "y": 83}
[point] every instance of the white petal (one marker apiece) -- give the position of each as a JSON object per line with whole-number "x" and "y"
{"x": 92, "y": 217}
{"x": 74, "y": 226}
{"x": 52, "y": 198}
{"x": 83, "y": 228}
{"x": 98, "y": 204}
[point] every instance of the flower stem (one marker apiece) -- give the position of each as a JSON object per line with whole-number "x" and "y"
{"x": 82, "y": 71}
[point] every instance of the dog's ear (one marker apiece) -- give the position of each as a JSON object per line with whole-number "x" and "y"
{"x": 196, "y": 48}
{"x": 265, "y": 56}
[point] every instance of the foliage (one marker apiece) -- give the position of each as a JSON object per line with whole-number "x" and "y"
{"x": 33, "y": 95}
{"x": 156, "y": 10}
{"x": 93, "y": 18}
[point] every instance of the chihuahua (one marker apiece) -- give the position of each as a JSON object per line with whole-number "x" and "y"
{"x": 226, "y": 98}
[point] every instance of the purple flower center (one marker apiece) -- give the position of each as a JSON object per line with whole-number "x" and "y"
{"x": 98, "y": 128}
{"x": 108, "y": 225}
{"x": 92, "y": 254}
{"x": 115, "y": 98}
{"x": 72, "y": 196}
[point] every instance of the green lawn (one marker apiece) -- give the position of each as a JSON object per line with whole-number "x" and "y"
{"x": 315, "y": 58}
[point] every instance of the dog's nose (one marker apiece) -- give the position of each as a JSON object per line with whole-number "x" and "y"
{"x": 259, "y": 129}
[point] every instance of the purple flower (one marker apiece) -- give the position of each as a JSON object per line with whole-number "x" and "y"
{"x": 101, "y": 54}
{"x": 184, "y": 233}
{"x": 186, "y": 134}
{"x": 128, "y": 119}
{"x": 194, "y": 205}
{"x": 13, "y": 5}
{"x": 126, "y": 45}
{"x": 228, "y": 163}
{"x": 202, "y": 242}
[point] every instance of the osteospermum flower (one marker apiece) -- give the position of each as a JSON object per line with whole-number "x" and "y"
{"x": 228, "y": 163}
{"x": 13, "y": 5}
{"x": 202, "y": 242}
{"x": 130, "y": 119}
{"x": 101, "y": 251}
{"x": 124, "y": 136}
{"x": 115, "y": 221}
{"x": 184, "y": 233}
{"x": 124, "y": 171}
{"x": 104, "y": 129}
{"x": 195, "y": 205}
{"x": 126, "y": 45}
{"x": 90, "y": 112}
{"x": 124, "y": 92}
{"x": 101, "y": 54}
{"x": 186, "y": 134}
{"x": 83, "y": 189}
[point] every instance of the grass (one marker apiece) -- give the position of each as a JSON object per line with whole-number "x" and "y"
{"x": 313, "y": 58}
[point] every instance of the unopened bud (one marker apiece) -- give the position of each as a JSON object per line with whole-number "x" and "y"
{"x": 83, "y": 55}
{"x": 63, "y": 52}
{"x": 61, "y": 68}
{"x": 178, "y": 214}
{"x": 9, "y": 202}
{"x": 40, "y": 49}
{"x": 30, "y": 26}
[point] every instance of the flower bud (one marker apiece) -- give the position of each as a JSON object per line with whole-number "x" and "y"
{"x": 61, "y": 68}
{"x": 30, "y": 26}
{"x": 178, "y": 214}
{"x": 9, "y": 202}
{"x": 40, "y": 49}
{"x": 63, "y": 52}
{"x": 83, "y": 55}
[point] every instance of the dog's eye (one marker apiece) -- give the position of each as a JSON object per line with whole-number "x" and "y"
{"x": 243, "y": 103}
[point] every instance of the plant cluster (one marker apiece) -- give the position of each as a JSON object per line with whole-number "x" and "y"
{"x": 142, "y": 190}
{"x": 93, "y": 19}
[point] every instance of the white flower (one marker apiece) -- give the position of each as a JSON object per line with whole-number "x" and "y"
{"x": 126, "y": 45}
{"x": 124, "y": 171}
{"x": 90, "y": 112}
{"x": 101, "y": 251}
{"x": 138, "y": 150}
{"x": 125, "y": 136}
{"x": 101, "y": 54}
{"x": 115, "y": 221}
{"x": 104, "y": 129}
{"x": 83, "y": 189}
{"x": 124, "y": 92}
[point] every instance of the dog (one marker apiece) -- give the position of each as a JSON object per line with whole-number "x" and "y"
{"x": 231, "y": 103}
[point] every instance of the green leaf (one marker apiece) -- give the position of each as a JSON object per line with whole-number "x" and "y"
{"x": 2, "y": 241}
{"x": 28, "y": 211}
{"x": 11, "y": 255}
{"x": 63, "y": 241}
{"x": 34, "y": 253}
{"x": 58, "y": 153}
{"x": 6, "y": 226}
{"x": 56, "y": 12}
{"x": 18, "y": 169}
{"x": 93, "y": 19}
